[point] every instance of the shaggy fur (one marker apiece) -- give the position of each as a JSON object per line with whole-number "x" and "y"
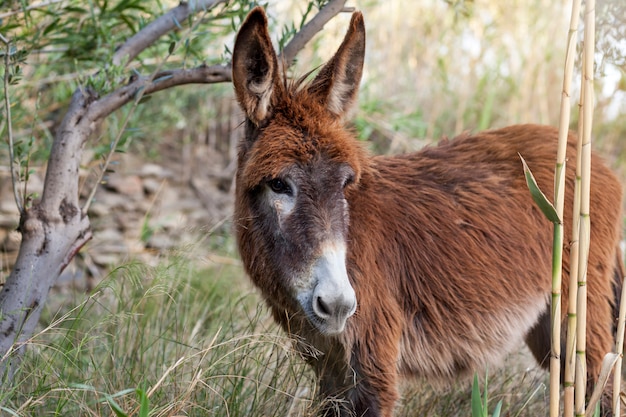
{"x": 448, "y": 256}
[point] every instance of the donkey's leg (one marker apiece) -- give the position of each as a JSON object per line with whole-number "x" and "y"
{"x": 538, "y": 340}
{"x": 367, "y": 386}
{"x": 367, "y": 389}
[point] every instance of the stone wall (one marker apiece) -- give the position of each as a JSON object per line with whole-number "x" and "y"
{"x": 140, "y": 211}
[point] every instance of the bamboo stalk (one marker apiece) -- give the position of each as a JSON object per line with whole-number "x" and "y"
{"x": 559, "y": 198}
{"x": 584, "y": 225}
{"x": 570, "y": 361}
{"x": 575, "y": 245}
{"x": 619, "y": 349}
{"x": 557, "y": 260}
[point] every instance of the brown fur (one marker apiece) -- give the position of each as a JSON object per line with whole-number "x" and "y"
{"x": 448, "y": 256}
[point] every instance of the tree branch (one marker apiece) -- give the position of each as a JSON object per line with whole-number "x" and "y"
{"x": 310, "y": 29}
{"x": 7, "y": 108}
{"x": 162, "y": 25}
{"x": 163, "y": 80}
{"x": 202, "y": 74}
{"x": 61, "y": 182}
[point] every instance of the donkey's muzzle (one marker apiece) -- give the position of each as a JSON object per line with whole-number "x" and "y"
{"x": 333, "y": 300}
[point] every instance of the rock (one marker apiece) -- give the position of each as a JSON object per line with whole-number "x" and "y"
{"x": 142, "y": 209}
{"x": 152, "y": 185}
{"x": 106, "y": 259}
{"x": 107, "y": 247}
{"x": 130, "y": 185}
{"x": 12, "y": 241}
{"x": 160, "y": 242}
{"x": 9, "y": 221}
{"x": 99, "y": 209}
{"x": 129, "y": 221}
{"x": 107, "y": 235}
{"x": 154, "y": 170}
{"x": 113, "y": 200}
{"x": 7, "y": 203}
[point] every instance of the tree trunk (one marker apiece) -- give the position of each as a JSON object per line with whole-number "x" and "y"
{"x": 52, "y": 233}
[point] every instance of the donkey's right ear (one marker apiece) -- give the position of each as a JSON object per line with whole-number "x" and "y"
{"x": 255, "y": 67}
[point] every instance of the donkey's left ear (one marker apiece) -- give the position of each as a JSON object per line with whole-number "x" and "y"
{"x": 255, "y": 67}
{"x": 337, "y": 83}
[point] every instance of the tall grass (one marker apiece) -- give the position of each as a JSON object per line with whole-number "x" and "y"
{"x": 193, "y": 341}
{"x": 177, "y": 339}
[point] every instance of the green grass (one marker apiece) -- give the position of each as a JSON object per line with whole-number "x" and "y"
{"x": 177, "y": 340}
{"x": 194, "y": 341}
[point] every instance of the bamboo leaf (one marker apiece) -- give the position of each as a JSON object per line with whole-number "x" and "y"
{"x": 538, "y": 196}
{"x": 609, "y": 361}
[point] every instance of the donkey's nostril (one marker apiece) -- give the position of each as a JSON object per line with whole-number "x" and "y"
{"x": 321, "y": 308}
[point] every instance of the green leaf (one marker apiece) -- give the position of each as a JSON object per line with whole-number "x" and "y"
{"x": 144, "y": 408}
{"x": 117, "y": 409}
{"x": 80, "y": 386}
{"x": 498, "y": 410}
{"x": 129, "y": 22}
{"x": 539, "y": 197}
{"x": 8, "y": 410}
{"x": 477, "y": 405}
{"x": 75, "y": 9}
{"x": 119, "y": 412}
{"x": 51, "y": 26}
{"x": 171, "y": 48}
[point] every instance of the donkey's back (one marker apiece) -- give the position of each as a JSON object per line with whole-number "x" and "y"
{"x": 464, "y": 254}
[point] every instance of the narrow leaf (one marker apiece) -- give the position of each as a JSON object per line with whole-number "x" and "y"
{"x": 539, "y": 197}
{"x": 498, "y": 410}
{"x": 477, "y": 406}
{"x": 8, "y": 410}
{"x": 80, "y": 386}
{"x": 119, "y": 412}
{"x": 144, "y": 409}
{"x": 607, "y": 366}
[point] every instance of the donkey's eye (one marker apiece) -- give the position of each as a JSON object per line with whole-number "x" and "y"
{"x": 349, "y": 180}
{"x": 279, "y": 186}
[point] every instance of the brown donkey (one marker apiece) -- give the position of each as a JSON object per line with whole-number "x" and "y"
{"x": 433, "y": 264}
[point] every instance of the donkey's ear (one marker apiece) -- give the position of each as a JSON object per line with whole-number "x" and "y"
{"x": 255, "y": 66}
{"x": 337, "y": 84}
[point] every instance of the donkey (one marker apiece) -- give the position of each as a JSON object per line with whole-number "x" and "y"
{"x": 432, "y": 264}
